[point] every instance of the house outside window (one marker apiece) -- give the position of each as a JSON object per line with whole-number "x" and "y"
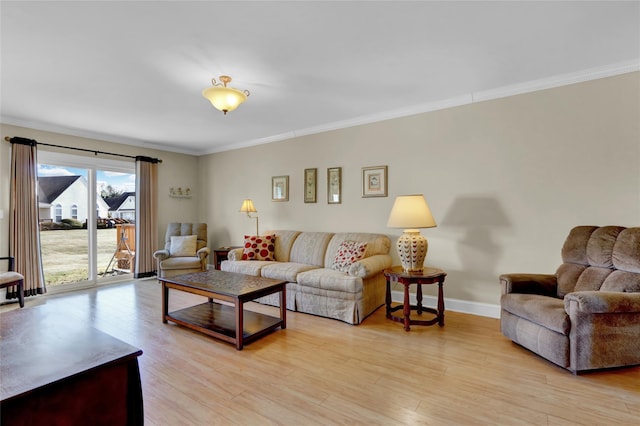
{"x": 58, "y": 212}
{"x": 74, "y": 211}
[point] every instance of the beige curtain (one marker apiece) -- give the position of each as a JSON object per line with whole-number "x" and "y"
{"x": 24, "y": 235}
{"x": 146, "y": 216}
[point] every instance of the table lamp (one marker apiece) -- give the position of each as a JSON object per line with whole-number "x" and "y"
{"x": 411, "y": 212}
{"x": 248, "y": 208}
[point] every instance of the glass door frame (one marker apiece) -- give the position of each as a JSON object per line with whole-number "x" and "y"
{"x": 92, "y": 165}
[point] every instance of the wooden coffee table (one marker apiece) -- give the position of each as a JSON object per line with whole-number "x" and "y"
{"x": 226, "y": 321}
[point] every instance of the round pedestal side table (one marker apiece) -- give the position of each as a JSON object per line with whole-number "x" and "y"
{"x": 396, "y": 274}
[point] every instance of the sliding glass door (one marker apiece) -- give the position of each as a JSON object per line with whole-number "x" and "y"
{"x": 87, "y": 220}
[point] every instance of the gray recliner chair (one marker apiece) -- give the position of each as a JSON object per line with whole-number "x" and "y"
{"x": 185, "y": 250}
{"x": 586, "y": 316}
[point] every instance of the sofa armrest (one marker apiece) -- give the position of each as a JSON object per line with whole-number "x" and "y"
{"x": 543, "y": 284}
{"x": 203, "y": 253}
{"x": 235, "y": 254}
{"x": 601, "y": 302}
{"x": 370, "y": 266}
{"x": 161, "y": 254}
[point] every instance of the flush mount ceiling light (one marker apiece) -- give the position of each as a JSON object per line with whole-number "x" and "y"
{"x": 222, "y": 97}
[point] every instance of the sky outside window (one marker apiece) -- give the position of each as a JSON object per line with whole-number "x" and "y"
{"x": 119, "y": 181}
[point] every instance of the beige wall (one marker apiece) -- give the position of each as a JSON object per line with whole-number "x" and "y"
{"x": 176, "y": 170}
{"x": 505, "y": 179}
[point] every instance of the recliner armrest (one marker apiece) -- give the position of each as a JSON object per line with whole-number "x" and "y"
{"x": 161, "y": 254}
{"x": 542, "y": 284}
{"x": 602, "y": 302}
{"x": 203, "y": 253}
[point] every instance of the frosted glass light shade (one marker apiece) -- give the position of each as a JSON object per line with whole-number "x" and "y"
{"x": 411, "y": 212}
{"x": 224, "y": 99}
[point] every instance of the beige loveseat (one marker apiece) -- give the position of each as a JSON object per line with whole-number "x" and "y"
{"x": 587, "y": 315}
{"x": 304, "y": 260}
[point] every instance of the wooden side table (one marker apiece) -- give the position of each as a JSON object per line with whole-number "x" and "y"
{"x": 426, "y": 276}
{"x": 220, "y": 254}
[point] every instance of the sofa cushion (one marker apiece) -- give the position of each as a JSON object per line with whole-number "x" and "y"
{"x": 329, "y": 279}
{"x": 285, "y": 270}
{"x": 258, "y": 247}
{"x": 547, "y": 311}
{"x": 310, "y": 248}
{"x": 592, "y": 278}
{"x": 626, "y": 251}
{"x": 574, "y": 249}
{"x": 568, "y": 274}
{"x": 348, "y": 253}
{"x": 178, "y": 229}
{"x": 181, "y": 263}
{"x": 376, "y": 244}
{"x": 624, "y": 281}
{"x": 589, "y": 255}
{"x": 183, "y": 246}
{"x": 253, "y": 267}
{"x": 600, "y": 246}
{"x": 284, "y": 242}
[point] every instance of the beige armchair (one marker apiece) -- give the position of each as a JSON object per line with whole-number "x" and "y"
{"x": 586, "y": 316}
{"x": 185, "y": 250}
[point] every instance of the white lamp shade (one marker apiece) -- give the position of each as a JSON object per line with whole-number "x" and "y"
{"x": 411, "y": 212}
{"x": 248, "y": 207}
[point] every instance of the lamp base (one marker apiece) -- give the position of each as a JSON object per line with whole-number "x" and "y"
{"x": 412, "y": 249}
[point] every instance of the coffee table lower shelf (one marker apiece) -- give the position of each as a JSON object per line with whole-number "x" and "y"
{"x": 218, "y": 320}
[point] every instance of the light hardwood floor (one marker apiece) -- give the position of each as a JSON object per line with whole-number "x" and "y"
{"x": 321, "y": 371}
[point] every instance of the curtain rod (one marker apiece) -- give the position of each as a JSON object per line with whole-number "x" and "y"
{"x": 32, "y": 142}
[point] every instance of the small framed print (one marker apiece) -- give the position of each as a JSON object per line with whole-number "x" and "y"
{"x": 310, "y": 185}
{"x": 374, "y": 181}
{"x": 280, "y": 188}
{"x": 334, "y": 185}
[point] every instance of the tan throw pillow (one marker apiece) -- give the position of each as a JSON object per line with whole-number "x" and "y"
{"x": 184, "y": 246}
{"x": 348, "y": 253}
{"x": 259, "y": 247}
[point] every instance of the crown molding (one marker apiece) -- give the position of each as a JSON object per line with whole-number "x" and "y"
{"x": 470, "y": 98}
{"x": 122, "y": 140}
{"x": 466, "y": 99}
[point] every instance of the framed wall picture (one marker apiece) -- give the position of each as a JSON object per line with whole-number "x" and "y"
{"x": 374, "y": 181}
{"x": 280, "y": 188}
{"x": 334, "y": 185}
{"x": 310, "y": 185}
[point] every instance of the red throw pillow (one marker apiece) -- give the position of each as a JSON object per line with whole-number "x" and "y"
{"x": 348, "y": 253}
{"x": 258, "y": 247}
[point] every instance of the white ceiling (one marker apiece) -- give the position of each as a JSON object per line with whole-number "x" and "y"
{"x": 133, "y": 72}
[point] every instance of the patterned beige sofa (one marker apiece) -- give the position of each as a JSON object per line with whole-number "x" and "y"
{"x": 304, "y": 260}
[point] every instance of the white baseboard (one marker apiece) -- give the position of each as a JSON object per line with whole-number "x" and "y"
{"x": 456, "y": 305}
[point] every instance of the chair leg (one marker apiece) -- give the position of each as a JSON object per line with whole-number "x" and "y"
{"x": 21, "y": 293}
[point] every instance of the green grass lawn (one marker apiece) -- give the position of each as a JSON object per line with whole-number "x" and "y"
{"x": 65, "y": 254}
